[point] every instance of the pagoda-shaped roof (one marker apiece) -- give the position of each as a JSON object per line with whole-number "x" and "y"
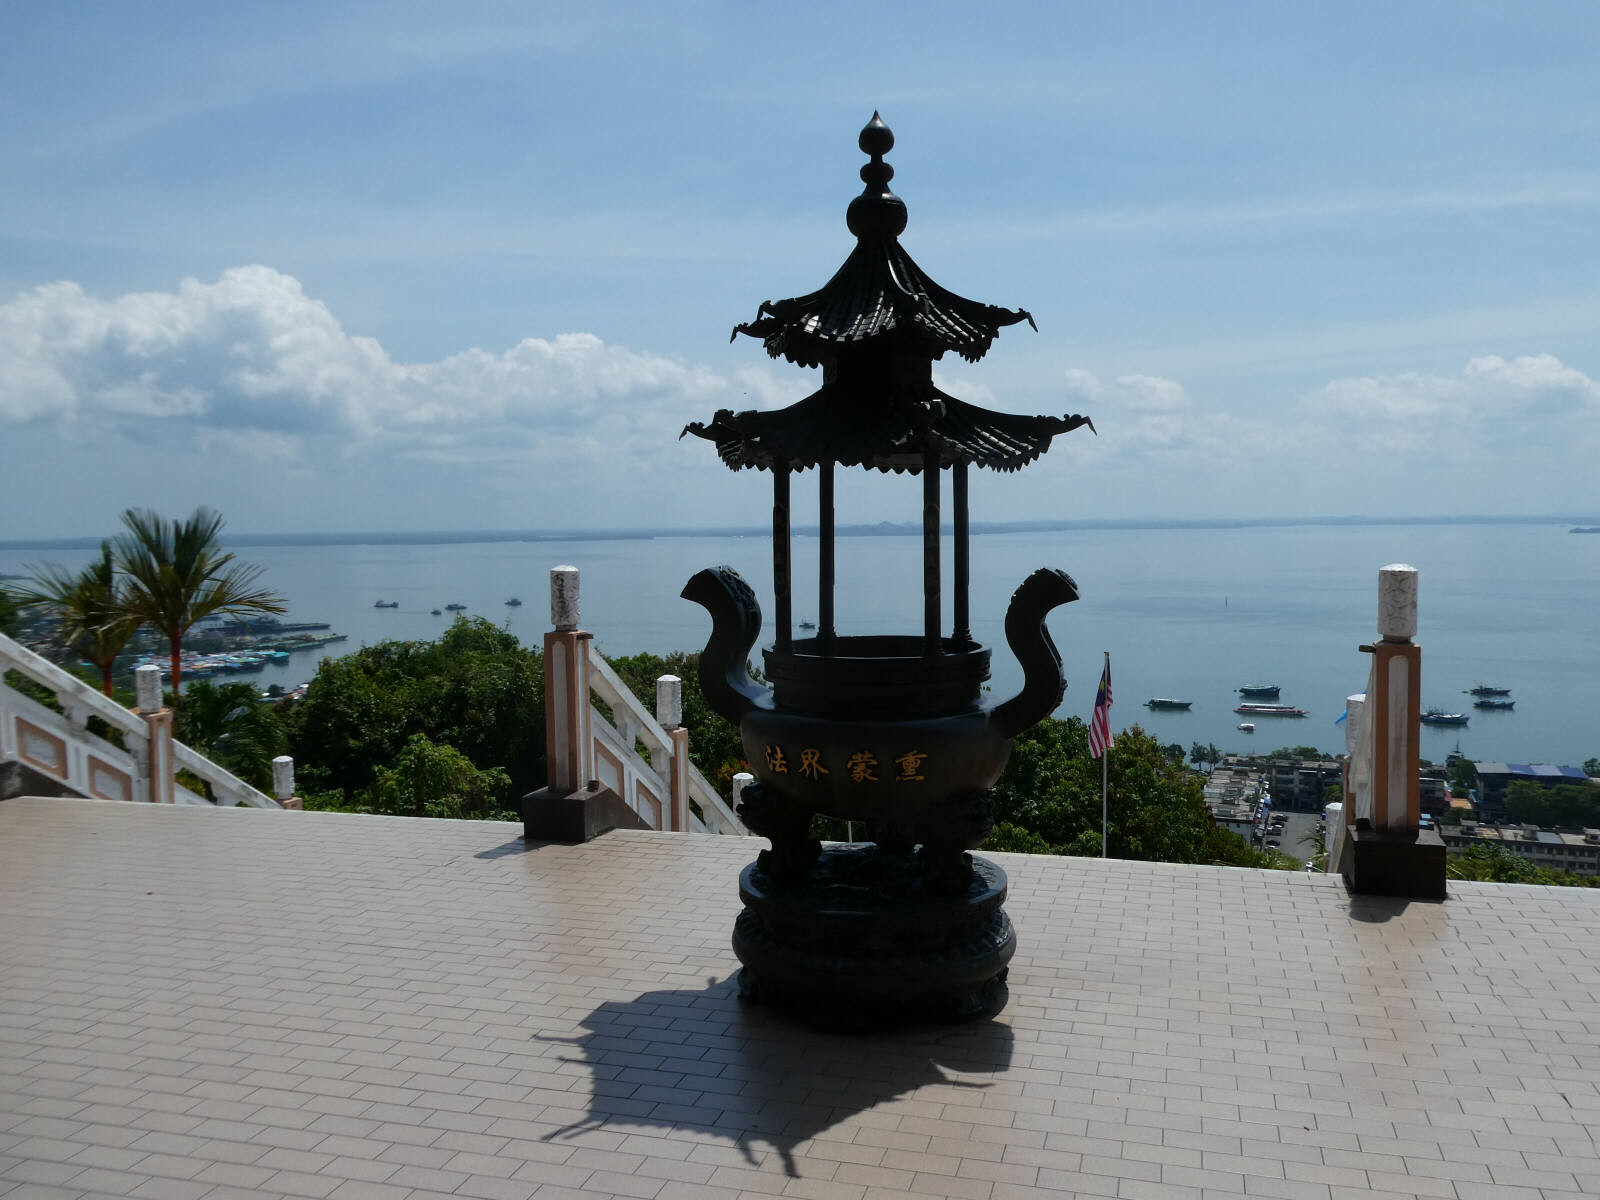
{"x": 876, "y": 328}
{"x": 879, "y": 290}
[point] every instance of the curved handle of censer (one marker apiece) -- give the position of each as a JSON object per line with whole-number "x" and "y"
{"x": 1043, "y": 684}
{"x": 735, "y": 625}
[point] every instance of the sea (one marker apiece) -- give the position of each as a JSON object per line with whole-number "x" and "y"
{"x": 1186, "y": 613}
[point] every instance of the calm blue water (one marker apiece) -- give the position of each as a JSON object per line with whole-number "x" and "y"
{"x": 1185, "y": 613}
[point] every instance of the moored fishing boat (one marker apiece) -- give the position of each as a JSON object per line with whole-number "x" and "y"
{"x": 1269, "y": 710}
{"x": 1437, "y": 716}
{"x": 1259, "y": 689}
{"x": 1495, "y": 705}
{"x": 1166, "y": 703}
{"x": 1482, "y": 689}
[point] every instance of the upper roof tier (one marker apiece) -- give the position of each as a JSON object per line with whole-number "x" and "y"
{"x": 879, "y": 290}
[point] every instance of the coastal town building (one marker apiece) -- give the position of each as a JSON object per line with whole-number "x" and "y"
{"x": 1494, "y": 778}
{"x": 1575, "y": 850}
{"x": 1233, "y": 794}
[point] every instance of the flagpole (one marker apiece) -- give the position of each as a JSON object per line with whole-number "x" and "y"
{"x": 1105, "y": 760}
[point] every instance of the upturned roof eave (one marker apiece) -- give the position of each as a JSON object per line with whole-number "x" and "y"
{"x": 877, "y": 292}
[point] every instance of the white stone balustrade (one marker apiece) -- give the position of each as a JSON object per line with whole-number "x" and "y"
{"x": 60, "y": 747}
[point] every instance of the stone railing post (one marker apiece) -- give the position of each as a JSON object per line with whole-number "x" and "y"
{"x": 1389, "y": 852}
{"x": 569, "y": 745}
{"x": 669, "y": 715}
{"x": 572, "y": 806}
{"x": 283, "y": 782}
{"x": 157, "y": 761}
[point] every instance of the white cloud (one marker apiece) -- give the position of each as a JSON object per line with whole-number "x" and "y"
{"x": 1493, "y": 407}
{"x": 253, "y": 396}
{"x": 253, "y": 354}
{"x": 1136, "y": 393}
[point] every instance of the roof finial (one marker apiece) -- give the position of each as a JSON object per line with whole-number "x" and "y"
{"x": 877, "y": 210}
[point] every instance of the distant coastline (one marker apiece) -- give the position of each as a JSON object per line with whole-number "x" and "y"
{"x": 447, "y": 537}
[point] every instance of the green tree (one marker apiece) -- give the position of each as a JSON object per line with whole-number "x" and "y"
{"x": 1569, "y": 805}
{"x": 431, "y": 780}
{"x": 1299, "y": 752}
{"x": 1174, "y": 751}
{"x": 1591, "y": 767}
{"x": 179, "y": 574}
{"x": 476, "y": 689}
{"x": 230, "y": 725}
{"x": 90, "y": 612}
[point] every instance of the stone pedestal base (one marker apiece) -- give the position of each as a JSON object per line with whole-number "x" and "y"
{"x": 1377, "y": 863}
{"x": 555, "y": 815}
{"x": 862, "y": 942}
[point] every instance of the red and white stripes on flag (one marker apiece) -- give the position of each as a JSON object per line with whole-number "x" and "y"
{"x": 1100, "y": 738}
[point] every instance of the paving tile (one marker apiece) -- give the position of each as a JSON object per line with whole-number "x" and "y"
{"x": 383, "y": 1009}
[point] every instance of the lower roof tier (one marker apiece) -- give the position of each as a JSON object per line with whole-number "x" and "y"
{"x": 901, "y": 431}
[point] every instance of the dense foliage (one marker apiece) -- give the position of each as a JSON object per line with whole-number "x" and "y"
{"x": 10, "y": 614}
{"x": 1568, "y": 805}
{"x": 1048, "y": 802}
{"x": 476, "y": 690}
{"x": 231, "y": 725}
{"x": 1490, "y": 862}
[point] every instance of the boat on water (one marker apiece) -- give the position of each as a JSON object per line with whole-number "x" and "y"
{"x": 386, "y": 604}
{"x": 435, "y": 612}
{"x": 1246, "y": 727}
{"x": 1259, "y": 689}
{"x": 513, "y": 603}
{"x": 1437, "y": 716}
{"x": 1164, "y": 702}
{"x": 1485, "y": 690}
{"x": 1269, "y": 710}
{"x": 455, "y": 608}
{"x": 1495, "y": 705}
{"x": 808, "y": 624}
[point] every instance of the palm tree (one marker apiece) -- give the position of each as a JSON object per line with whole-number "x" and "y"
{"x": 178, "y": 574}
{"x": 91, "y": 612}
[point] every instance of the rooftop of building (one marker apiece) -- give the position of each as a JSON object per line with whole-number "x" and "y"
{"x": 1532, "y": 770}
{"x": 214, "y": 1004}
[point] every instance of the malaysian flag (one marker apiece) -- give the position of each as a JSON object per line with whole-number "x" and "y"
{"x": 1100, "y": 738}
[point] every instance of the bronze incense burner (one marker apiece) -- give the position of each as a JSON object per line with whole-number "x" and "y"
{"x": 893, "y": 731}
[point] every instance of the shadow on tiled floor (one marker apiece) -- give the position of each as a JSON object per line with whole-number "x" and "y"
{"x": 781, "y": 1083}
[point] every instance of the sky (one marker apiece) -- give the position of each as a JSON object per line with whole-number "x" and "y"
{"x": 474, "y": 266}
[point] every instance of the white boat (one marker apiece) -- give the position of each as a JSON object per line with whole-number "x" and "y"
{"x": 1247, "y": 727}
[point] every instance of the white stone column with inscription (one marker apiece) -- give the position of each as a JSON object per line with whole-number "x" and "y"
{"x": 1396, "y": 699}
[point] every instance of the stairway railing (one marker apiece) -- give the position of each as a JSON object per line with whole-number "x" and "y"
{"x": 60, "y": 746}
{"x": 641, "y": 756}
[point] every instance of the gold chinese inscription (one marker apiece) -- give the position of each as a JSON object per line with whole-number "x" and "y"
{"x": 910, "y": 764}
{"x": 860, "y": 765}
{"x": 811, "y": 764}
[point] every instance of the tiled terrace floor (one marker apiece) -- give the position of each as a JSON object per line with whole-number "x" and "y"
{"x": 226, "y": 1004}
